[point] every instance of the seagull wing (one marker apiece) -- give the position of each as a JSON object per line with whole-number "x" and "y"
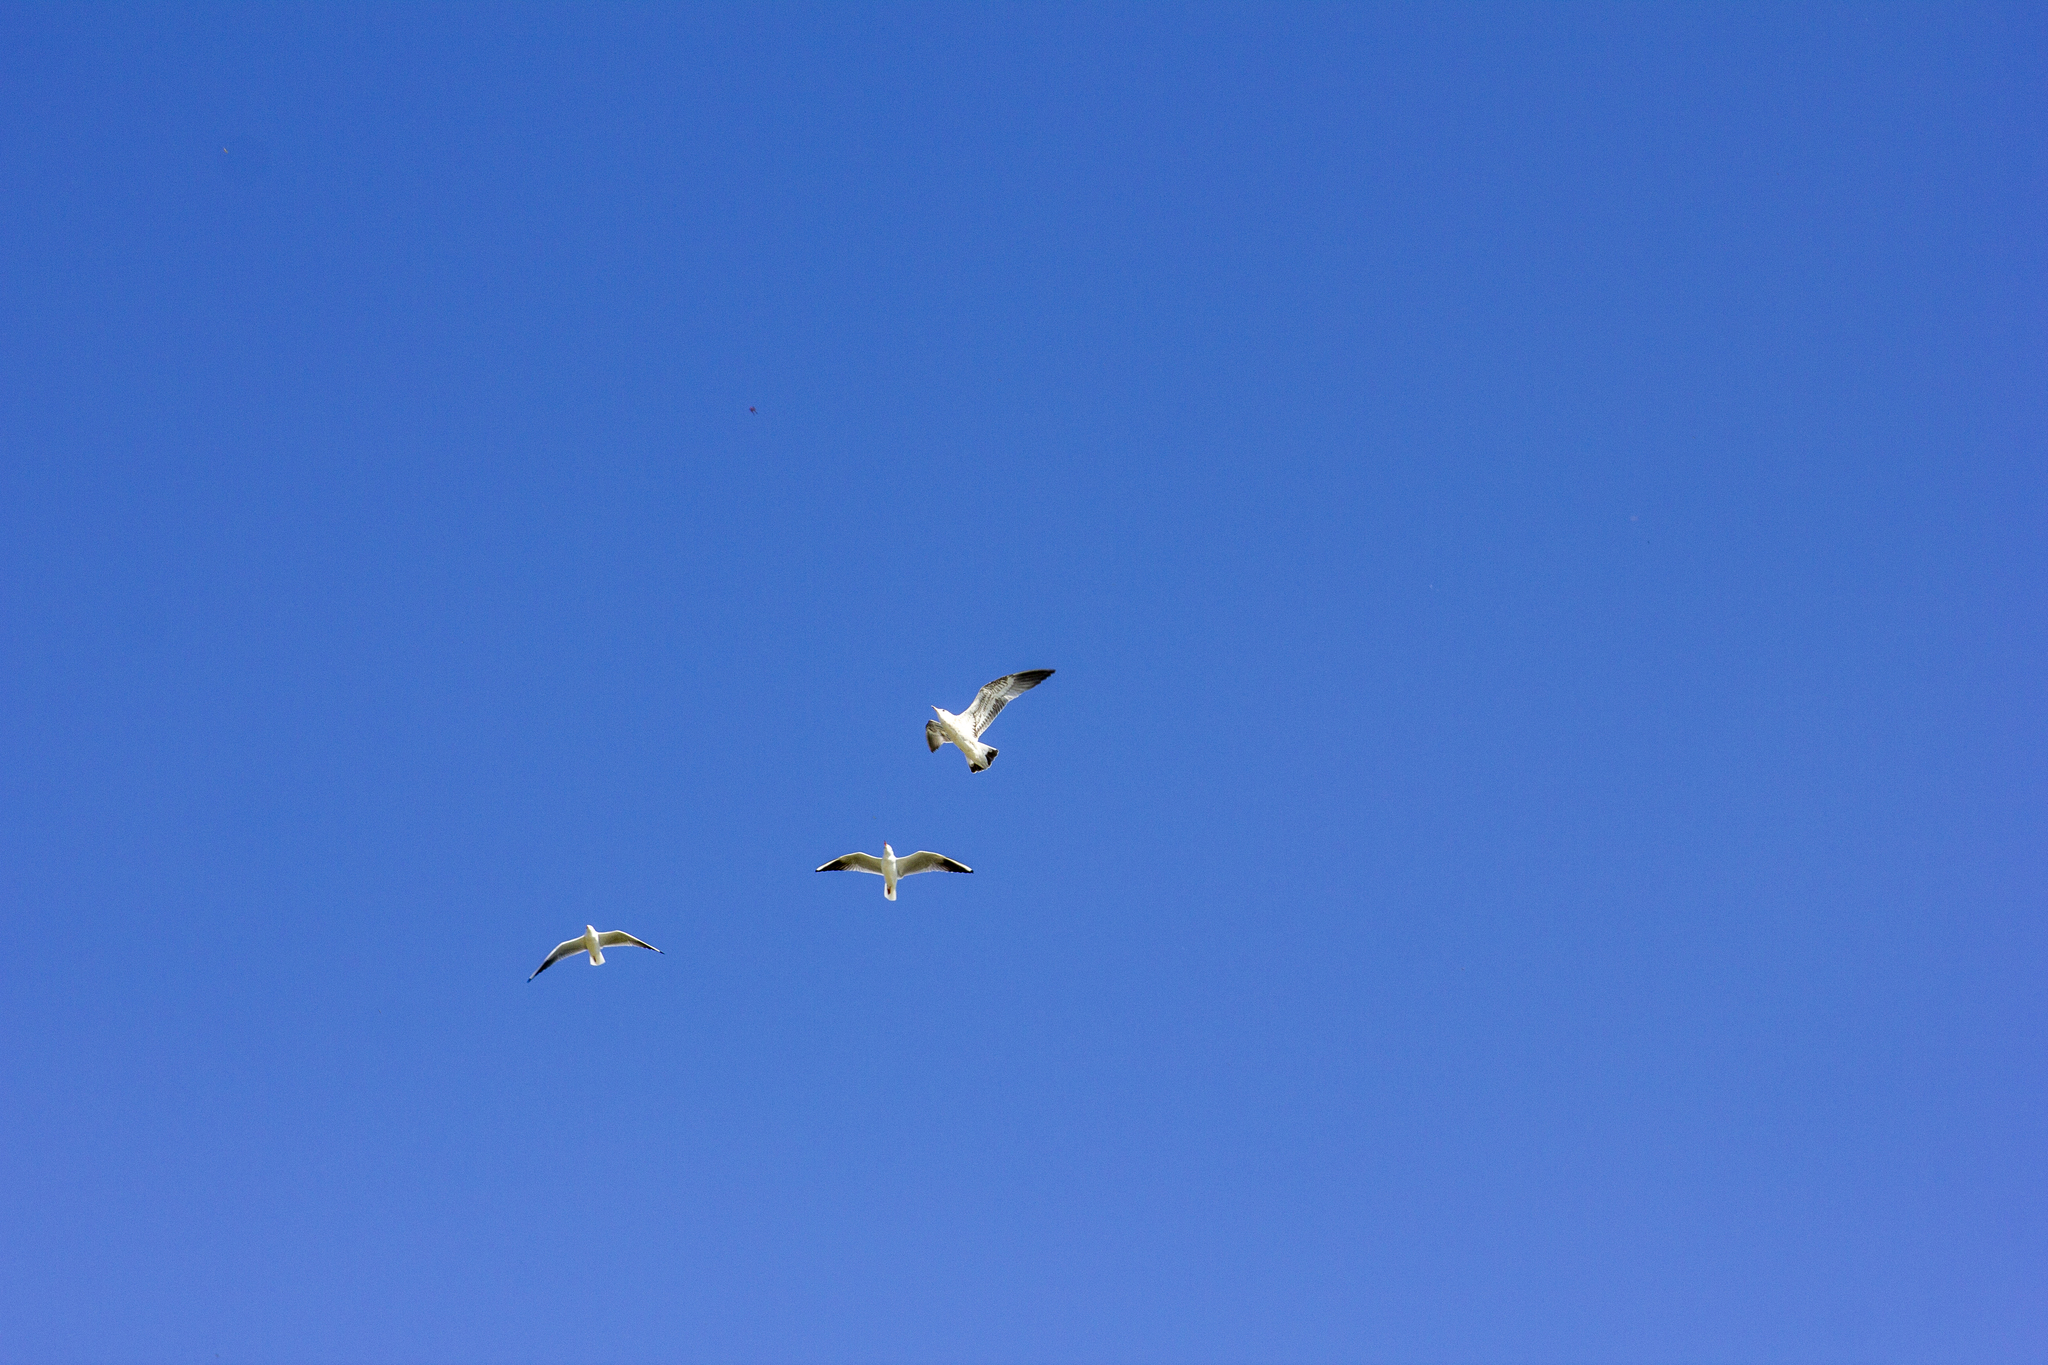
{"x": 989, "y": 702}
{"x": 928, "y": 862}
{"x": 566, "y": 948}
{"x": 855, "y": 862}
{"x": 619, "y": 938}
{"x": 932, "y": 737}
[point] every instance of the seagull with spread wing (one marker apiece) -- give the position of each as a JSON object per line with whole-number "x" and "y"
{"x": 964, "y": 731}
{"x": 592, "y": 942}
{"x": 889, "y": 867}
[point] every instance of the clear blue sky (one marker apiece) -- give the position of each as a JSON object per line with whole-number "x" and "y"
{"x": 1534, "y": 851}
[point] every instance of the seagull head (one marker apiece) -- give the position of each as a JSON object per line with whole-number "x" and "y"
{"x": 888, "y": 852}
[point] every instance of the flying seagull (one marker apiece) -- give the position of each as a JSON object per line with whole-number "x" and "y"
{"x": 965, "y": 731}
{"x": 592, "y": 942}
{"x": 889, "y": 867}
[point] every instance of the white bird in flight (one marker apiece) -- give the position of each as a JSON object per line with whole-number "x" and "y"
{"x": 592, "y": 942}
{"x": 964, "y": 731}
{"x": 889, "y": 867}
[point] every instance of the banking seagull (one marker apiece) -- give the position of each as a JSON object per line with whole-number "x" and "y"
{"x": 592, "y": 942}
{"x": 964, "y": 731}
{"x": 889, "y": 867}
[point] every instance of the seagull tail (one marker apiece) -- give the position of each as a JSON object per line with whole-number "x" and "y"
{"x": 597, "y": 958}
{"x": 981, "y": 761}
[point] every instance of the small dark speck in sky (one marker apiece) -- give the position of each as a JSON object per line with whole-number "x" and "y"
{"x": 247, "y": 160}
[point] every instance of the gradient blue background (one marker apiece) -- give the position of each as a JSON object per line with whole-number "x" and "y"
{"x": 1534, "y": 852}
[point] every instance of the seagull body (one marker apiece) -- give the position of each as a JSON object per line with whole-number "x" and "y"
{"x": 592, "y": 942}
{"x": 889, "y": 867}
{"x": 964, "y": 731}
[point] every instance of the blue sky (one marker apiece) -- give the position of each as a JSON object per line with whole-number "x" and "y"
{"x": 1533, "y": 852}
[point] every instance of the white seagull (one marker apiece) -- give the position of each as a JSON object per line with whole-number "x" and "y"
{"x": 964, "y": 731}
{"x": 889, "y": 867}
{"x": 592, "y": 942}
